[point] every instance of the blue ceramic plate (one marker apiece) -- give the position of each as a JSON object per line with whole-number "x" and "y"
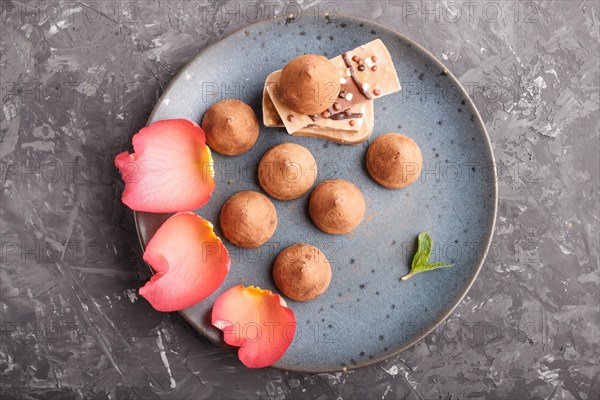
{"x": 367, "y": 314}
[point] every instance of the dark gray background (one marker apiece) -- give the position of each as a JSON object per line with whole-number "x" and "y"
{"x": 76, "y": 84}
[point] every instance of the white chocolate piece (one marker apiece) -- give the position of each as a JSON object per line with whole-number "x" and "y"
{"x": 385, "y": 78}
{"x": 346, "y": 136}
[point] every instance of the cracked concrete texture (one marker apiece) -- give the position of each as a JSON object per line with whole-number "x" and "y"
{"x": 78, "y": 78}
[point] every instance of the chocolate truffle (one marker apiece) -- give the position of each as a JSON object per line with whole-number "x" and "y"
{"x": 302, "y": 272}
{"x": 394, "y": 160}
{"x": 231, "y": 127}
{"x": 309, "y": 84}
{"x": 336, "y": 206}
{"x": 287, "y": 171}
{"x": 248, "y": 219}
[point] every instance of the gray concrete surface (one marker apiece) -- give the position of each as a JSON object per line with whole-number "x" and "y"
{"x": 79, "y": 78}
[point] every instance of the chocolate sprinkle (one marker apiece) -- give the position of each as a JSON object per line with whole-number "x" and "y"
{"x": 326, "y": 114}
{"x": 374, "y": 68}
{"x": 376, "y": 92}
{"x": 361, "y": 67}
{"x": 337, "y": 106}
{"x": 314, "y": 117}
{"x": 290, "y": 118}
{"x": 342, "y": 94}
{"x": 344, "y": 115}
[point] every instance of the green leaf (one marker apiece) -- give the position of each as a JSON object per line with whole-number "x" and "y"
{"x": 437, "y": 265}
{"x": 420, "y": 262}
{"x": 423, "y": 250}
{"x": 429, "y": 266}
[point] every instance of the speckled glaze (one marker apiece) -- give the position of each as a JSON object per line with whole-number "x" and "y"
{"x": 367, "y": 314}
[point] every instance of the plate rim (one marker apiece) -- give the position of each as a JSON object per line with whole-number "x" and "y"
{"x": 488, "y": 145}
